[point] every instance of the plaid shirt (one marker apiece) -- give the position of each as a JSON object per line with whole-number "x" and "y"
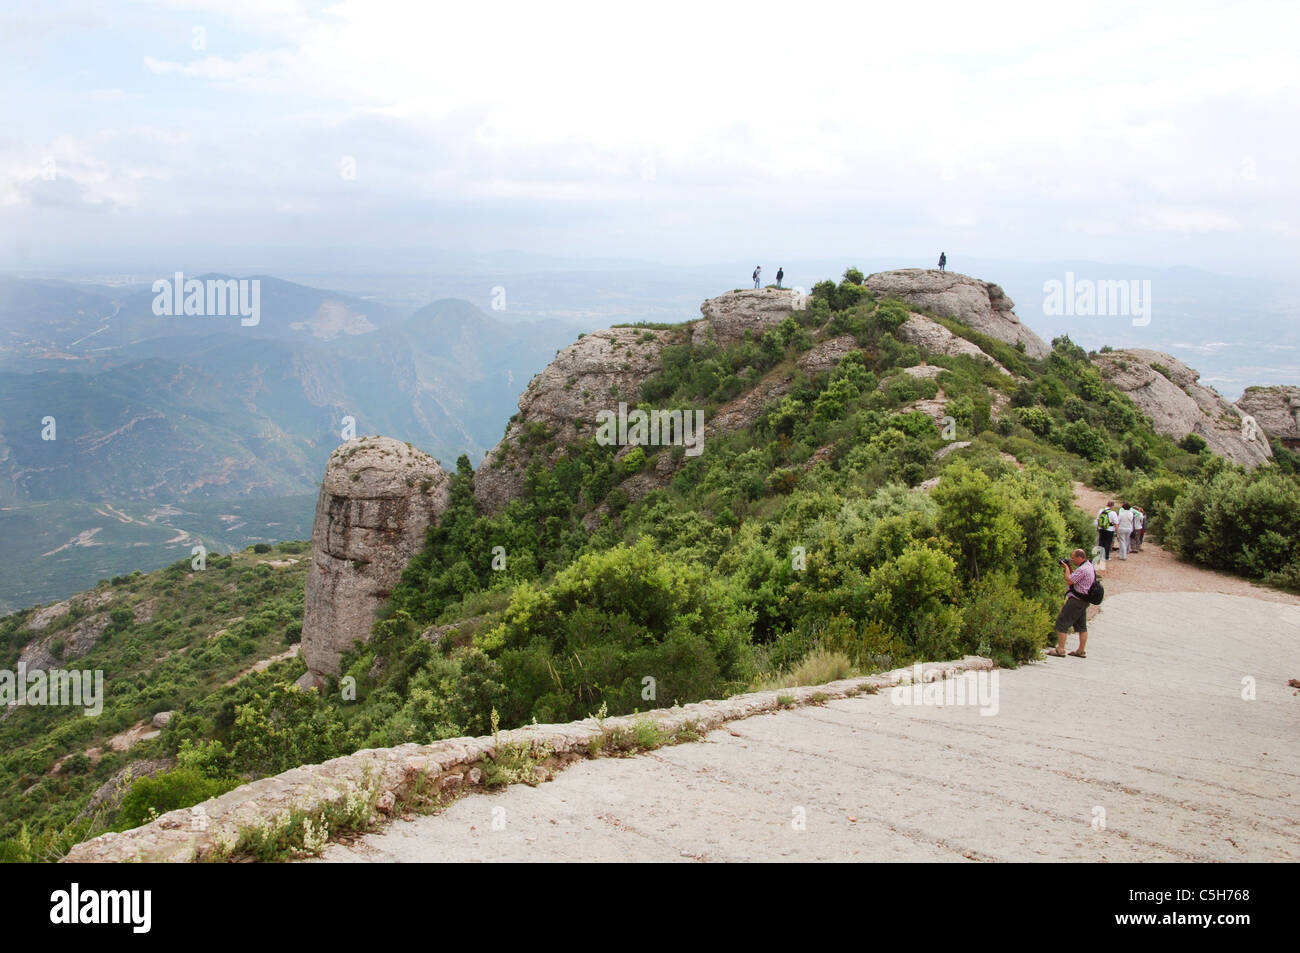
{"x": 1081, "y": 580}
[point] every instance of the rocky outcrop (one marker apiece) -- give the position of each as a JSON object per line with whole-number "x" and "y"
{"x": 592, "y": 374}
{"x": 980, "y": 304}
{"x": 52, "y": 648}
{"x": 606, "y": 367}
{"x": 729, "y": 317}
{"x": 1170, "y": 393}
{"x": 377, "y": 498}
{"x": 1276, "y": 410}
{"x": 827, "y": 355}
{"x": 934, "y": 337}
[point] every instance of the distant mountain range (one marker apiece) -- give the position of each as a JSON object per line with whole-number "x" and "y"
{"x": 177, "y": 412}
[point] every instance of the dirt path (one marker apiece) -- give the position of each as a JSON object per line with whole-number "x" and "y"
{"x": 1155, "y": 569}
{"x": 1174, "y": 740}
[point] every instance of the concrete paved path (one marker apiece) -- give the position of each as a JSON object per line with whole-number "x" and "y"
{"x": 1146, "y": 750}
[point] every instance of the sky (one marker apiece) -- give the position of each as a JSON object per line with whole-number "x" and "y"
{"x": 190, "y": 134}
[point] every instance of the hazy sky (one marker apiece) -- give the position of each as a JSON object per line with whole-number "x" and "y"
{"x": 190, "y": 133}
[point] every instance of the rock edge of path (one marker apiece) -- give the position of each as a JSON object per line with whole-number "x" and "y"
{"x": 387, "y": 776}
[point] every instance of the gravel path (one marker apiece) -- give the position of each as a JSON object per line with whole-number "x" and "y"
{"x": 1146, "y": 750}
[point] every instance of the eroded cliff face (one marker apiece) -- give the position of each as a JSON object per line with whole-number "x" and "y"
{"x": 592, "y": 374}
{"x": 981, "y": 304}
{"x": 1276, "y": 410}
{"x": 1170, "y": 393}
{"x": 377, "y": 499}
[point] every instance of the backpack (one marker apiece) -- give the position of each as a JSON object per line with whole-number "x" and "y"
{"x": 1096, "y": 592}
{"x": 1103, "y": 519}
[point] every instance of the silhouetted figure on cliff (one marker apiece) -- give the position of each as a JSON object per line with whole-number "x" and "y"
{"x": 943, "y": 261}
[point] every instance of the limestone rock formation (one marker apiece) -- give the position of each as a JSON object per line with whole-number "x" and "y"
{"x": 592, "y": 374}
{"x": 981, "y": 304}
{"x": 53, "y": 649}
{"x": 377, "y": 498}
{"x": 606, "y": 367}
{"x": 827, "y": 355}
{"x": 934, "y": 337}
{"x": 727, "y": 317}
{"x": 1276, "y": 410}
{"x": 1170, "y": 393}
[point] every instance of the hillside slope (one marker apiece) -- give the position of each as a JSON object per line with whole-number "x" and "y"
{"x": 857, "y": 503}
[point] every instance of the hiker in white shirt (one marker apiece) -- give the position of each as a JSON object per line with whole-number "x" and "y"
{"x": 1124, "y": 529}
{"x": 1139, "y": 524}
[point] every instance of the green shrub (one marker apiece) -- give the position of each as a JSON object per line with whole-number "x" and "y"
{"x": 1000, "y": 622}
{"x": 168, "y": 791}
{"x": 914, "y": 597}
{"x": 1037, "y": 421}
{"x": 1242, "y": 522}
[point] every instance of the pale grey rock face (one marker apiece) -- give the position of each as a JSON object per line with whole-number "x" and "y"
{"x": 981, "y": 304}
{"x": 1276, "y": 410}
{"x": 827, "y": 355}
{"x": 78, "y": 639}
{"x": 728, "y": 317}
{"x": 1178, "y": 404}
{"x": 594, "y": 373}
{"x": 377, "y": 499}
{"x": 923, "y": 371}
{"x": 934, "y": 337}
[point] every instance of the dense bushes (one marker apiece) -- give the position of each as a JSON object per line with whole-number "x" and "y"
{"x": 609, "y": 621}
{"x": 181, "y": 787}
{"x": 1242, "y": 521}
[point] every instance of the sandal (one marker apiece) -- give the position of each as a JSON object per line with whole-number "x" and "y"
{"x": 1056, "y": 652}
{"x": 1077, "y": 654}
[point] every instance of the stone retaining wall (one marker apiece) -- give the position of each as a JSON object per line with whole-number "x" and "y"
{"x": 390, "y": 775}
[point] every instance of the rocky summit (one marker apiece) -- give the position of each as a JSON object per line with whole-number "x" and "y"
{"x": 377, "y": 498}
{"x": 981, "y": 304}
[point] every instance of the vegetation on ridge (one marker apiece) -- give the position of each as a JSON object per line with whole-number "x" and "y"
{"x": 799, "y": 544}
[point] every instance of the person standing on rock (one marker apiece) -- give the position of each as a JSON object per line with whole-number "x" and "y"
{"x": 1079, "y": 577}
{"x": 1106, "y": 520}
{"x": 758, "y": 270}
{"x": 943, "y": 260}
{"x": 1124, "y": 529}
{"x": 780, "y": 273}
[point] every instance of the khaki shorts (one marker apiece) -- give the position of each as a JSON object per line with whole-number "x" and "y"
{"x": 1073, "y": 615}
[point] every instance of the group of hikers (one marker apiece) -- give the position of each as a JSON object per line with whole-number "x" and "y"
{"x": 1125, "y": 526}
{"x": 1128, "y": 526}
